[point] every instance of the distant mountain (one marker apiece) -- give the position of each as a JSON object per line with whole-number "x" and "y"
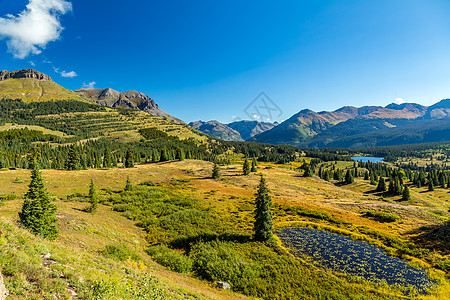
{"x": 131, "y": 99}
{"x": 30, "y": 85}
{"x": 248, "y": 129}
{"x": 217, "y": 130}
{"x": 354, "y": 127}
{"x": 234, "y": 131}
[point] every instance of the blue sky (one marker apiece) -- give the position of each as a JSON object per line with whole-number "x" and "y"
{"x": 203, "y": 60}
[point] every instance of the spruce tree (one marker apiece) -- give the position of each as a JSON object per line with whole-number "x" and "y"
{"x": 128, "y": 185}
{"x": 430, "y": 186}
{"x": 215, "y": 172}
{"x": 93, "y": 199}
{"x": 308, "y": 171}
{"x": 246, "y": 167}
{"x": 254, "y": 164}
{"x": 263, "y": 214}
{"x": 381, "y": 185}
{"x": 107, "y": 159}
{"x": 38, "y": 213}
{"x": 406, "y": 194}
{"x": 349, "y": 177}
{"x": 129, "y": 163}
{"x": 73, "y": 160}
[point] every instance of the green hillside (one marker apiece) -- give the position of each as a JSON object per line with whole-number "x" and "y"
{"x": 30, "y": 89}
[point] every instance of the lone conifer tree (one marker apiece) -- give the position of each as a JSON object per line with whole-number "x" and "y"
{"x": 246, "y": 167}
{"x": 406, "y": 194}
{"x": 93, "y": 199}
{"x": 128, "y": 185}
{"x": 263, "y": 214}
{"x": 254, "y": 164}
{"x": 38, "y": 213}
{"x": 215, "y": 172}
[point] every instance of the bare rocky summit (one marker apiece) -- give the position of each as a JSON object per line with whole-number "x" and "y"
{"x": 130, "y": 99}
{"x": 26, "y": 73}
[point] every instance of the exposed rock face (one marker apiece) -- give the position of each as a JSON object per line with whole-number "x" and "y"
{"x": 3, "y": 291}
{"x": 26, "y": 73}
{"x": 131, "y": 99}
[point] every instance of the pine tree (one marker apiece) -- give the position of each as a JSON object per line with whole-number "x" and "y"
{"x": 164, "y": 155}
{"x": 254, "y": 164}
{"x": 93, "y": 198}
{"x": 73, "y": 160}
{"x": 215, "y": 172}
{"x": 381, "y": 185}
{"x": 406, "y": 194}
{"x": 107, "y": 159}
{"x": 366, "y": 175}
{"x": 308, "y": 171}
{"x": 430, "y": 186}
{"x": 263, "y": 214}
{"x": 180, "y": 154}
{"x": 128, "y": 185}
{"x": 349, "y": 177}
{"x": 246, "y": 167}
{"x": 129, "y": 163}
{"x": 38, "y": 213}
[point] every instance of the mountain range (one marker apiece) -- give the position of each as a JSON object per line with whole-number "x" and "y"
{"x": 346, "y": 127}
{"x": 234, "y": 131}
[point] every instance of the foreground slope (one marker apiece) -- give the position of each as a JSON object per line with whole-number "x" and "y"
{"x": 298, "y": 202}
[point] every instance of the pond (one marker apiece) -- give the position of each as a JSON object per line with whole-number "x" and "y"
{"x": 368, "y": 159}
{"x": 341, "y": 253}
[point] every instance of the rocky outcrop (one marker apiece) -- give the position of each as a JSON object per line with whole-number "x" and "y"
{"x": 130, "y": 99}
{"x": 26, "y": 73}
{"x": 3, "y": 291}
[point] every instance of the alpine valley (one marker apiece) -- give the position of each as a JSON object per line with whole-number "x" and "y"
{"x": 104, "y": 195}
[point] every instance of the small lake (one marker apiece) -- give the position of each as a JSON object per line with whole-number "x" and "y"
{"x": 341, "y": 253}
{"x": 368, "y": 159}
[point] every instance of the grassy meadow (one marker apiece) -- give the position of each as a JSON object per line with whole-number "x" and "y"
{"x": 200, "y": 231}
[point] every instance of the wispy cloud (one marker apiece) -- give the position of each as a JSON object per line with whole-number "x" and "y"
{"x": 31, "y": 30}
{"x": 89, "y": 85}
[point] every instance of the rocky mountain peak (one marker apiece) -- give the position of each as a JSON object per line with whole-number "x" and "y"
{"x": 26, "y": 73}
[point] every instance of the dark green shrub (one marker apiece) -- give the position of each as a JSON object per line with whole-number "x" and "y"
{"x": 170, "y": 259}
{"x": 119, "y": 253}
{"x": 382, "y": 216}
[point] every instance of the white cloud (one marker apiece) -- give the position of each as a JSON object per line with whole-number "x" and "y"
{"x": 89, "y": 85}
{"x": 32, "y": 63}
{"x": 70, "y": 74}
{"x": 31, "y": 30}
{"x": 399, "y": 101}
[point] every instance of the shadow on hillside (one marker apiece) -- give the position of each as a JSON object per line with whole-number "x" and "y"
{"x": 433, "y": 237}
{"x": 186, "y": 242}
